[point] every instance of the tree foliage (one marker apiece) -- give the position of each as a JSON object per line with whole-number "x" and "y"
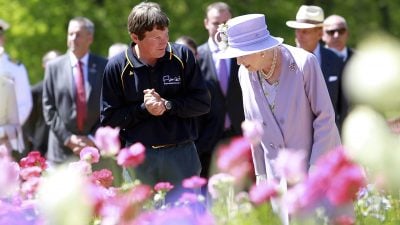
{"x": 40, "y": 25}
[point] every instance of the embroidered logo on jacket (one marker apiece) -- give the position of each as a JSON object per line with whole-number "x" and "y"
{"x": 171, "y": 80}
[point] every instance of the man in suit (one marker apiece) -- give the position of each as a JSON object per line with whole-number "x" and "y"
{"x": 36, "y": 131}
{"x": 226, "y": 111}
{"x": 71, "y": 94}
{"x": 308, "y": 29}
{"x": 335, "y": 36}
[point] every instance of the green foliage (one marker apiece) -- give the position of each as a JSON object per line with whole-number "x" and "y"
{"x": 40, "y": 25}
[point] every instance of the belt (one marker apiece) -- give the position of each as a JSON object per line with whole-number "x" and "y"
{"x": 169, "y": 145}
{"x": 164, "y": 146}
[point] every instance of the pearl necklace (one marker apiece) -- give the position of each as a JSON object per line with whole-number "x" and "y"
{"x": 272, "y": 69}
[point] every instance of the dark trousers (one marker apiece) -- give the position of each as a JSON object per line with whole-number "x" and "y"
{"x": 207, "y": 159}
{"x": 169, "y": 164}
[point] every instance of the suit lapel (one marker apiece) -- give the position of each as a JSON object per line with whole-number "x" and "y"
{"x": 91, "y": 77}
{"x": 69, "y": 77}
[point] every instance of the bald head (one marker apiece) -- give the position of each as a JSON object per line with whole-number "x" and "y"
{"x": 335, "y": 20}
{"x": 335, "y": 33}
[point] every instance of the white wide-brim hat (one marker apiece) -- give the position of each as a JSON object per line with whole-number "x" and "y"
{"x": 4, "y": 25}
{"x": 308, "y": 16}
{"x": 245, "y": 35}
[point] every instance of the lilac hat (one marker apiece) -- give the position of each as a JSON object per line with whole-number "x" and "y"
{"x": 244, "y": 35}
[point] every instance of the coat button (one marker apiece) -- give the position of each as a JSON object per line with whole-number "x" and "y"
{"x": 271, "y": 145}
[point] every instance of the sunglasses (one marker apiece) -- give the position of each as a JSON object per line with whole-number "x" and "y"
{"x": 340, "y": 31}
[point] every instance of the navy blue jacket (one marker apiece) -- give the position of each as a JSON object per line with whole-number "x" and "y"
{"x": 176, "y": 77}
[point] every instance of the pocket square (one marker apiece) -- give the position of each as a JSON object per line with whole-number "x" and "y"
{"x": 332, "y": 78}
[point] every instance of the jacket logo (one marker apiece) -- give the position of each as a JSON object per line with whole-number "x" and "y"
{"x": 170, "y": 80}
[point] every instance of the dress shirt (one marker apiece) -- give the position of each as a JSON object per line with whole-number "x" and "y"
{"x": 317, "y": 53}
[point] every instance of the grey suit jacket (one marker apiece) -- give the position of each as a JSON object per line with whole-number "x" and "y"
{"x": 59, "y": 107}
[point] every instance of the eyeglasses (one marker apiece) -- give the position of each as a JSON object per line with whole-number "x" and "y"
{"x": 340, "y": 31}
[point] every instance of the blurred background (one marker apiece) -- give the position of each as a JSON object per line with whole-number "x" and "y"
{"x": 40, "y": 25}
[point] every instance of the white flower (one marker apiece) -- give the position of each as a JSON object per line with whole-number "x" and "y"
{"x": 221, "y": 37}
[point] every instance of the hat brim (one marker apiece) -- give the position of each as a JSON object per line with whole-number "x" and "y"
{"x": 231, "y": 52}
{"x": 302, "y": 25}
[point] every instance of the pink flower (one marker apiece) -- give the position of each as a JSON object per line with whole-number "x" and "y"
{"x": 253, "y": 131}
{"x": 107, "y": 140}
{"x": 132, "y": 156}
{"x": 291, "y": 164}
{"x": 9, "y": 177}
{"x": 30, "y": 172}
{"x": 33, "y": 159}
{"x": 346, "y": 184}
{"x": 344, "y": 220}
{"x": 163, "y": 186}
{"x": 90, "y": 155}
{"x": 334, "y": 176}
{"x": 125, "y": 206}
{"x": 194, "y": 182}
{"x": 140, "y": 193}
{"x": 102, "y": 177}
{"x": 264, "y": 192}
{"x": 235, "y": 158}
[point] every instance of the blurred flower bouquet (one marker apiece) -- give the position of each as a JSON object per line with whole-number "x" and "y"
{"x": 74, "y": 194}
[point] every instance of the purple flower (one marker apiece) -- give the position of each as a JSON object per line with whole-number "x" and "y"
{"x": 188, "y": 197}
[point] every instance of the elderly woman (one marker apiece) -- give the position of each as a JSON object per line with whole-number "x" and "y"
{"x": 283, "y": 87}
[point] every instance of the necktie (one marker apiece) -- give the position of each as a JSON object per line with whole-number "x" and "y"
{"x": 80, "y": 97}
{"x": 222, "y": 75}
{"x": 223, "y": 78}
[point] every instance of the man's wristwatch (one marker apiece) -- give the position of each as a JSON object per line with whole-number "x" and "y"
{"x": 168, "y": 105}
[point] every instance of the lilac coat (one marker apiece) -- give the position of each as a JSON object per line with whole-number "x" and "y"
{"x": 304, "y": 117}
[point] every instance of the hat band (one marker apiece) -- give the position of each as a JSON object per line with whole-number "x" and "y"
{"x": 233, "y": 41}
{"x": 308, "y": 21}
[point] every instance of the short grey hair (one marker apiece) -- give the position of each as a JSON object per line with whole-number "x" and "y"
{"x": 87, "y": 23}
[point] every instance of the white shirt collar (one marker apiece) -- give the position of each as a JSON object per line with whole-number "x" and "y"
{"x": 74, "y": 60}
{"x": 213, "y": 46}
{"x": 317, "y": 53}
